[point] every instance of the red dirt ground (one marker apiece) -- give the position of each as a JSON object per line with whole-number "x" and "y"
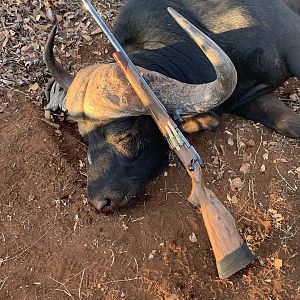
{"x": 53, "y": 245}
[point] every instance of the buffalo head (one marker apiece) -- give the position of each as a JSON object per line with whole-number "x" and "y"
{"x": 125, "y": 148}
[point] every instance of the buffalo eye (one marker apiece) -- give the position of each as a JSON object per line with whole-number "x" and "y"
{"x": 126, "y": 136}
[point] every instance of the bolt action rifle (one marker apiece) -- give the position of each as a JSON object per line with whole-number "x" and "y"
{"x": 231, "y": 252}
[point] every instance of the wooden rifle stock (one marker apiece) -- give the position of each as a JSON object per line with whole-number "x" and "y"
{"x": 231, "y": 252}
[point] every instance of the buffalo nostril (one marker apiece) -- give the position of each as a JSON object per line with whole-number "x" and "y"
{"x": 100, "y": 204}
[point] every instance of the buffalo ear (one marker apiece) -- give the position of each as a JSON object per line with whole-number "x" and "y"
{"x": 125, "y": 135}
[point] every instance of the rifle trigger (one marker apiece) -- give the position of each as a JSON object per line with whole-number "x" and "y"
{"x": 198, "y": 159}
{"x": 177, "y": 115}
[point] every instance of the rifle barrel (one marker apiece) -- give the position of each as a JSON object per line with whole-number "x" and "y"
{"x": 103, "y": 26}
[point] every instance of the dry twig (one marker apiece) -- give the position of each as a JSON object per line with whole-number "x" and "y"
{"x": 126, "y": 279}
{"x": 65, "y": 290}
{"x": 25, "y": 250}
{"x": 113, "y": 258}
{"x": 259, "y": 146}
{"x": 3, "y": 282}
{"x": 56, "y": 126}
{"x": 294, "y": 189}
{"x": 79, "y": 290}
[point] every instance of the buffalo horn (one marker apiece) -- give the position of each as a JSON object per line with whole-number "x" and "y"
{"x": 61, "y": 76}
{"x": 102, "y": 93}
{"x": 196, "y": 97}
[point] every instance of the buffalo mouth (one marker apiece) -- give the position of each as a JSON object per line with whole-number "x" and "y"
{"x": 105, "y": 206}
{"x": 109, "y": 206}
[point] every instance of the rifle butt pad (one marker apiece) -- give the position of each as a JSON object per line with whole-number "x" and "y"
{"x": 235, "y": 261}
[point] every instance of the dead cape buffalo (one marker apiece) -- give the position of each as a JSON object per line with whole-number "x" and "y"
{"x": 125, "y": 151}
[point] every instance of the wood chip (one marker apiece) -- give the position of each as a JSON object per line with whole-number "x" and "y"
{"x": 247, "y": 157}
{"x": 50, "y": 123}
{"x": 97, "y": 31}
{"x": 267, "y": 224}
{"x": 266, "y": 156}
{"x": 193, "y": 238}
{"x": 250, "y": 143}
{"x": 3, "y": 107}
{"x": 278, "y": 263}
{"x": 151, "y": 255}
{"x": 87, "y": 37}
{"x": 50, "y": 14}
{"x": 215, "y": 160}
{"x": 58, "y": 132}
{"x": 245, "y": 168}
{"x": 236, "y": 184}
{"x": 33, "y": 87}
{"x": 294, "y": 97}
{"x": 275, "y": 161}
{"x": 97, "y": 53}
{"x": 230, "y": 142}
{"x": 234, "y": 199}
{"x": 277, "y": 217}
{"x": 298, "y": 172}
{"x": 10, "y": 94}
{"x": 222, "y": 149}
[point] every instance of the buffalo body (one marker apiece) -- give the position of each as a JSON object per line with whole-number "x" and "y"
{"x": 260, "y": 36}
